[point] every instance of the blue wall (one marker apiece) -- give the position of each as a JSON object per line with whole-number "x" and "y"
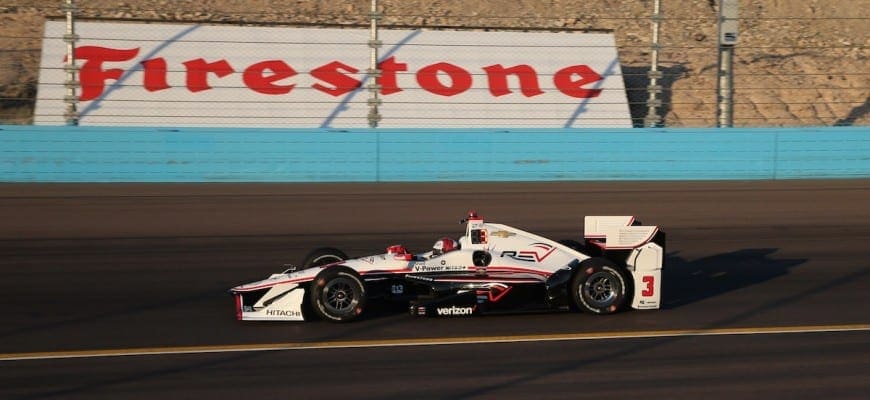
{"x": 112, "y": 154}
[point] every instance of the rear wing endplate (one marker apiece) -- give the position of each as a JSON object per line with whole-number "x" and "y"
{"x": 617, "y": 232}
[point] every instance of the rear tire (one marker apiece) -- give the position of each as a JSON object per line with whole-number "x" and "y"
{"x": 573, "y": 245}
{"x": 598, "y": 287}
{"x": 323, "y": 256}
{"x": 338, "y": 294}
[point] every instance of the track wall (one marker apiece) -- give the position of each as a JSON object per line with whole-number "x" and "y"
{"x": 112, "y": 154}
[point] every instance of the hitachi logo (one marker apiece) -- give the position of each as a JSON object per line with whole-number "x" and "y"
{"x": 283, "y": 313}
{"x": 453, "y": 310}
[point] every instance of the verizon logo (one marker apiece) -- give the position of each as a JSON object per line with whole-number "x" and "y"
{"x": 453, "y": 310}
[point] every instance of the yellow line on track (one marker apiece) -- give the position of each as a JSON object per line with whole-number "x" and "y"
{"x": 146, "y": 351}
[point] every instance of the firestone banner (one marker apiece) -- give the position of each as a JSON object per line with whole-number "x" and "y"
{"x": 226, "y": 76}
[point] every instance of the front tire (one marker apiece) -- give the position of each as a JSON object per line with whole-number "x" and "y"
{"x": 323, "y": 256}
{"x": 338, "y": 294}
{"x": 598, "y": 287}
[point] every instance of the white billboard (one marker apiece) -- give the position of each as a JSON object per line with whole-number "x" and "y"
{"x": 227, "y": 76}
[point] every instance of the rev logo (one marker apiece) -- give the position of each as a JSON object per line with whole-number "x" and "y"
{"x": 538, "y": 253}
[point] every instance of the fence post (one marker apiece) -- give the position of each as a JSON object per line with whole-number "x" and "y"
{"x": 654, "y": 103}
{"x": 71, "y": 115}
{"x": 374, "y": 73}
{"x": 728, "y": 24}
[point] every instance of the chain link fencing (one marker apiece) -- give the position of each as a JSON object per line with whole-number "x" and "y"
{"x": 796, "y": 63}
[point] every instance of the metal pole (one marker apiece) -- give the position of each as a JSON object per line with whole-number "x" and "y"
{"x": 653, "y": 119}
{"x": 728, "y": 26}
{"x": 71, "y": 115}
{"x": 374, "y": 73}
{"x": 726, "y": 87}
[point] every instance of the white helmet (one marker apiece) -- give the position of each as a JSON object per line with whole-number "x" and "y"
{"x": 444, "y": 245}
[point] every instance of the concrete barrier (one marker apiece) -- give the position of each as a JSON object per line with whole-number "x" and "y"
{"x": 113, "y": 154}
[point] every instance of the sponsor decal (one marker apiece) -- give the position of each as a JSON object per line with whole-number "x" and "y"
{"x": 334, "y": 78}
{"x": 453, "y": 311}
{"x": 503, "y": 234}
{"x": 283, "y": 313}
{"x": 496, "y": 292}
{"x": 437, "y": 268}
{"x": 138, "y": 74}
{"x": 538, "y": 253}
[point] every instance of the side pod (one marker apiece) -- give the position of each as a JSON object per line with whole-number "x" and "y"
{"x": 557, "y": 285}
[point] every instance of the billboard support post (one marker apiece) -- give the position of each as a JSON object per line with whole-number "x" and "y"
{"x": 728, "y": 24}
{"x": 71, "y": 83}
{"x": 374, "y": 73}
{"x": 654, "y": 103}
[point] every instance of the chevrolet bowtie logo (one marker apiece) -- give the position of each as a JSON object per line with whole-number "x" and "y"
{"x": 503, "y": 234}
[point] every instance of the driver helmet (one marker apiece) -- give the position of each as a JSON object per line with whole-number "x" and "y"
{"x": 444, "y": 245}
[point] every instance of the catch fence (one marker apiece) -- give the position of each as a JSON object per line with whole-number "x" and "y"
{"x": 795, "y": 63}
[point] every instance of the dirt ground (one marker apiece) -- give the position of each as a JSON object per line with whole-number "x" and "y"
{"x": 797, "y": 63}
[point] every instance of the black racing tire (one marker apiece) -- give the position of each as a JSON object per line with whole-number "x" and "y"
{"x": 323, "y": 256}
{"x": 598, "y": 287}
{"x": 572, "y": 244}
{"x": 337, "y": 294}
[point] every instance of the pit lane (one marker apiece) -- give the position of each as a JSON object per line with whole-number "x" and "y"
{"x": 114, "y": 267}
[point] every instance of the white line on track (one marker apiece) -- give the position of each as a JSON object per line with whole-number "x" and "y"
{"x": 154, "y": 351}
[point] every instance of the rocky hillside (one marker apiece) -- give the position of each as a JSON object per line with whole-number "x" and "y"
{"x": 798, "y": 63}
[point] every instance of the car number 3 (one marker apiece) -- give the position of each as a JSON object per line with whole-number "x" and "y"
{"x": 650, "y": 286}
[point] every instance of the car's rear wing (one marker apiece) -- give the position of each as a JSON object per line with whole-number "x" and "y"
{"x": 641, "y": 249}
{"x": 617, "y": 232}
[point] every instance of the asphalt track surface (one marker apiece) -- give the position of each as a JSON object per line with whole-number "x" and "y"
{"x": 119, "y": 292}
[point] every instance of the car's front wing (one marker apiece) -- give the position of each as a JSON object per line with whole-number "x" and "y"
{"x": 281, "y": 302}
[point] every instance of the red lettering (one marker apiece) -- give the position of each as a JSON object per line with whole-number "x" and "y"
{"x": 387, "y": 80}
{"x": 92, "y": 76}
{"x": 331, "y": 74}
{"x": 197, "y": 73}
{"x": 427, "y": 77}
{"x": 650, "y": 286}
{"x": 497, "y": 77}
{"x": 255, "y": 77}
{"x": 564, "y": 80}
{"x": 334, "y": 78}
{"x": 155, "y": 74}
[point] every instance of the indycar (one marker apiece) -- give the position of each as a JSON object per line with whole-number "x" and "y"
{"x": 492, "y": 268}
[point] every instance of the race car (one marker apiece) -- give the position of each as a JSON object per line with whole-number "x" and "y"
{"x": 492, "y": 268}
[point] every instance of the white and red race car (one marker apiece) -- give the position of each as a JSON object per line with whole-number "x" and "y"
{"x": 492, "y": 268}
